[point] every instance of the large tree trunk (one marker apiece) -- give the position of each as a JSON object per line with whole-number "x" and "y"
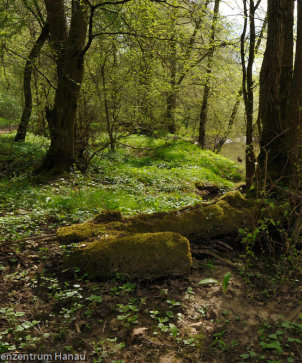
{"x": 275, "y": 79}
{"x": 33, "y": 55}
{"x": 70, "y": 69}
{"x": 206, "y": 93}
{"x": 295, "y": 111}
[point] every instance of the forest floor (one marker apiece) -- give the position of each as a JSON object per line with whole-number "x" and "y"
{"x": 253, "y": 317}
{"x": 216, "y": 314}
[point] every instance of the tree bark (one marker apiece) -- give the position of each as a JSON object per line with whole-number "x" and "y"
{"x": 275, "y": 80}
{"x": 68, "y": 46}
{"x": 295, "y": 113}
{"x": 33, "y": 55}
{"x": 204, "y": 108}
{"x": 247, "y": 88}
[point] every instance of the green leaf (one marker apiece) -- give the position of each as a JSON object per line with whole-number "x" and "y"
{"x": 225, "y": 281}
{"x": 286, "y": 324}
{"x": 273, "y": 345}
{"x": 173, "y": 330}
{"x": 244, "y": 356}
{"x": 163, "y": 327}
{"x": 208, "y": 281}
{"x": 273, "y": 336}
{"x": 294, "y": 340}
{"x": 19, "y": 313}
{"x": 95, "y": 298}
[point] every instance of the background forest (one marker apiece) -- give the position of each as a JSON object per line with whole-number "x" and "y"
{"x": 126, "y": 108}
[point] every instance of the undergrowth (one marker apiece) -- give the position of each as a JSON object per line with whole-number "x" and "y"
{"x": 146, "y": 176}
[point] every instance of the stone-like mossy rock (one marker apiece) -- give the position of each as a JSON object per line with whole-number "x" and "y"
{"x": 142, "y": 256}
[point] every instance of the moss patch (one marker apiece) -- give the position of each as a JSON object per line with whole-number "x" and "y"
{"x": 142, "y": 256}
{"x": 203, "y": 221}
{"x": 80, "y": 232}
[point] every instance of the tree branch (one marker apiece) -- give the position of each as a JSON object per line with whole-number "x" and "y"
{"x": 33, "y": 64}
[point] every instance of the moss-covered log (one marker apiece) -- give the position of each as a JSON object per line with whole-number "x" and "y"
{"x": 143, "y": 256}
{"x": 198, "y": 223}
{"x": 153, "y": 245}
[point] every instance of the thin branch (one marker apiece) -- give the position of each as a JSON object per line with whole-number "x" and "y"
{"x": 258, "y": 3}
{"x": 33, "y": 64}
{"x": 122, "y": 2}
{"x": 38, "y": 15}
{"x": 133, "y": 34}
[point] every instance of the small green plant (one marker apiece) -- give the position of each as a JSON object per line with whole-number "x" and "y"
{"x": 173, "y": 303}
{"x": 225, "y": 281}
{"x": 95, "y": 298}
{"x": 219, "y": 341}
{"x": 128, "y": 315}
{"x": 190, "y": 293}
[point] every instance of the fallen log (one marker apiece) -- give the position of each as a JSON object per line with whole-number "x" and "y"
{"x": 201, "y": 222}
{"x": 153, "y": 245}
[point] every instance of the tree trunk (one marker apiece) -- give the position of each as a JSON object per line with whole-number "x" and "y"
{"x": 218, "y": 145}
{"x": 172, "y": 93}
{"x": 295, "y": 113}
{"x": 247, "y": 87}
{"x": 33, "y": 55}
{"x": 207, "y": 87}
{"x": 70, "y": 69}
{"x": 170, "y": 112}
{"x": 274, "y": 156}
{"x": 231, "y": 122}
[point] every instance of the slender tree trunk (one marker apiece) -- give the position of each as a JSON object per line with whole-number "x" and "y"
{"x": 235, "y": 108}
{"x": 107, "y": 113}
{"x": 207, "y": 87}
{"x": 68, "y": 46}
{"x": 33, "y": 55}
{"x": 247, "y": 87}
{"x": 218, "y": 146}
{"x": 276, "y": 69}
{"x": 172, "y": 93}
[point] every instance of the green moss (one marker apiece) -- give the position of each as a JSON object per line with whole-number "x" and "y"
{"x": 107, "y": 216}
{"x": 236, "y": 199}
{"x": 80, "y": 232}
{"x": 203, "y": 221}
{"x": 197, "y": 223}
{"x": 143, "y": 256}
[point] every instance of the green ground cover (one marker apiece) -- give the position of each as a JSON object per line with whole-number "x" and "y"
{"x": 148, "y": 175}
